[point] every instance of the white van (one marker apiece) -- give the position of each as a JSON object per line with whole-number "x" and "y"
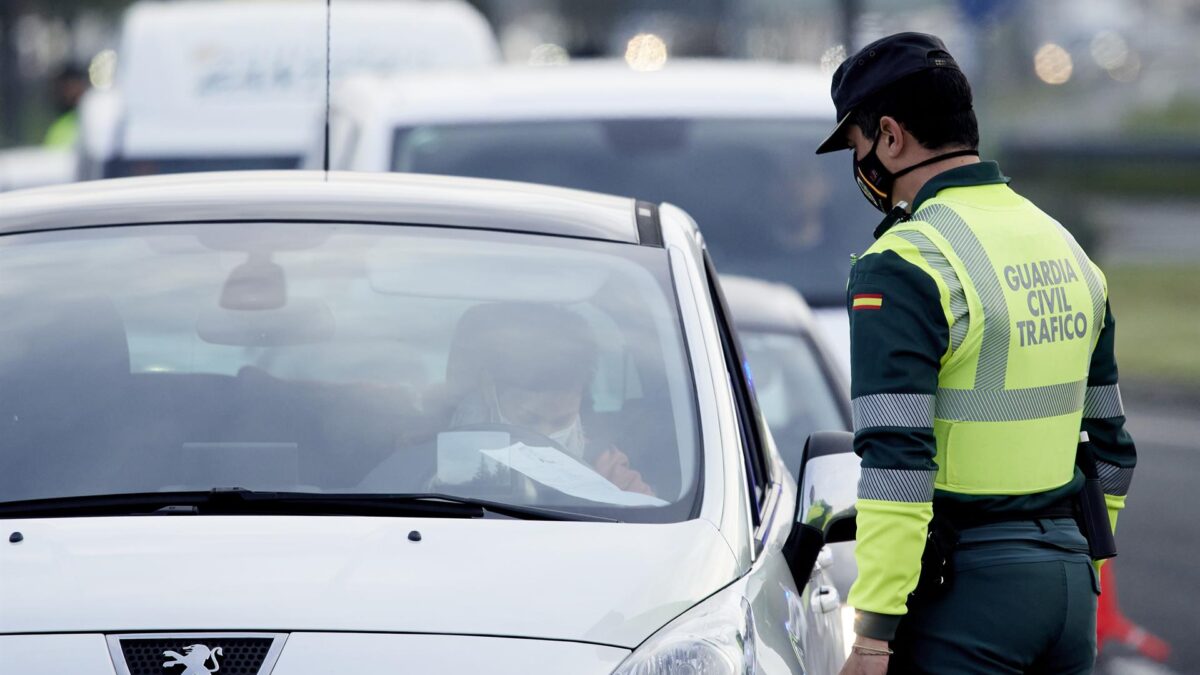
{"x": 213, "y": 85}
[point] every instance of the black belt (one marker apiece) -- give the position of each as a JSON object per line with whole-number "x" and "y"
{"x": 937, "y": 568}
{"x": 965, "y": 520}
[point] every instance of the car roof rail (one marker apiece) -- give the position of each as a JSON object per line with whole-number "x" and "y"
{"x": 648, "y": 225}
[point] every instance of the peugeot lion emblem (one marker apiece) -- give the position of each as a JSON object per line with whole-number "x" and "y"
{"x": 222, "y": 653}
{"x": 195, "y": 660}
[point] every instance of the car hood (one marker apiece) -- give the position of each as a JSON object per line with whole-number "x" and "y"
{"x": 605, "y": 583}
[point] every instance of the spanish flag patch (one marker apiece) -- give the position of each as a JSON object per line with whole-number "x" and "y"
{"x": 867, "y": 301}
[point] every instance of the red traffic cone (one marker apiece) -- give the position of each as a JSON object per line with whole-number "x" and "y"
{"x": 1113, "y": 626}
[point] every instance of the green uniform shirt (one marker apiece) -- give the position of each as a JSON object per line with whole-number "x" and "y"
{"x": 900, "y": 338}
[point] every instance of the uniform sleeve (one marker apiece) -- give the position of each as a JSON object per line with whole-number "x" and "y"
{"x": 898, "y": 335}
{"x": 1104, "y": 422}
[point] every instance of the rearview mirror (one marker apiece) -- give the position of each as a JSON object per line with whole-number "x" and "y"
{"x": 825, "y": 504}
{"x": 303, "y": 321}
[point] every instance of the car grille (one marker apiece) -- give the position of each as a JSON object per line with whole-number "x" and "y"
{"x": 238, "y": 655}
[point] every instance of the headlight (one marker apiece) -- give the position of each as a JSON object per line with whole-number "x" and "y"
{"x": 716, "y": 637}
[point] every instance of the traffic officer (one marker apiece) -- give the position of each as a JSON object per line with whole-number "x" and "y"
{"x": 982, "y": 353}
{"x": 69, "y": 87}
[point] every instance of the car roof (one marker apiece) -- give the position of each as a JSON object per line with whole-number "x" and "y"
{"x": 600, "y": 88}
{"x": 767, "y": 305}
{"x": 308, "y": 196}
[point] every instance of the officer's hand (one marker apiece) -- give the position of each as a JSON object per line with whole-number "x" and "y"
{"x": 867, "y": 664}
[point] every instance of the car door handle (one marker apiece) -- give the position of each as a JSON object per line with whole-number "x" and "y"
{"x": 826, "y": 599}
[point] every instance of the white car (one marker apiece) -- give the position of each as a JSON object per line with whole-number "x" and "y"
{"x": 730, "y": 142}
{"x": 205, "y": 85}
{"x": 301, "y": 424}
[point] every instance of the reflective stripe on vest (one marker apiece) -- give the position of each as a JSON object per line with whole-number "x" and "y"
{"x": 1089, "y": 275}
{"x": 934, "y": 257}
{"x": 1010, "y": 405}
{"x": 993, "y": 353}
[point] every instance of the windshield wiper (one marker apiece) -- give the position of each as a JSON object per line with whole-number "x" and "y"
{"x": 240, "y": 501}
{"x": 520, "y": 512}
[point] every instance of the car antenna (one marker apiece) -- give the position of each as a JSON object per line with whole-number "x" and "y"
{"x": 328, "y": 36}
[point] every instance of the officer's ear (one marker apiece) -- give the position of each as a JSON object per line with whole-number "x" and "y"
{"x": 891, "y": 137}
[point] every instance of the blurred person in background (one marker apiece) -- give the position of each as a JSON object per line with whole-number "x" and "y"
{"x": 981, "y": 348}
{"x": 69, "y": 86}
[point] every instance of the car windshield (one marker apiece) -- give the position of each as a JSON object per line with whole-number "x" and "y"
{"x": 794, "y": 388}
{"x": 767, "y": 205}
{"x": 344, "y": 358}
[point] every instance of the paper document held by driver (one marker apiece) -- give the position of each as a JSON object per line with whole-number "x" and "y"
{"x": 562, "y": 472}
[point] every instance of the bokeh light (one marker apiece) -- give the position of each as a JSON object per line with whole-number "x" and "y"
{"x": 646, "y": 52}
{"x": 1129, "y": 70}
{"x": 103, "y": 69}
{"x": 1109, "y": 50}
{"x": 1053, "y": 64}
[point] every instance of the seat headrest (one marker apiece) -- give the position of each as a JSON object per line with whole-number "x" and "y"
{"x": 72, "y": 344}
{"x": 520, "y": 342}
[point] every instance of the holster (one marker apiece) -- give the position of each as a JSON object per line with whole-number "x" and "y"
{"x": 1091, "y": 510}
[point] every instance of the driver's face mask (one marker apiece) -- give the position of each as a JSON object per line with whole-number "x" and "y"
{"x": 570, "y": 437}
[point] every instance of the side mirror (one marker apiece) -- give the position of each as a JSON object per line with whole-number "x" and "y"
{"x": 825, "y": 504}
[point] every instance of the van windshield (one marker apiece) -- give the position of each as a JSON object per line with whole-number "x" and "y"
{"x": 345, "y": 359}
{"x": 149, "y": 166}
{"x": 768, "y": 206}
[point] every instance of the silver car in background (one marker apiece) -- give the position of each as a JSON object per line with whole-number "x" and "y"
{"x": 800, "y": 387}
{"x": 729, "y": 142}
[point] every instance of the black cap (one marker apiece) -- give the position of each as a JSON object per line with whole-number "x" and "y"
{"x": 876, "y": 66}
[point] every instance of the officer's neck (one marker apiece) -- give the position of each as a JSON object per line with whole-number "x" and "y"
{"x": 909, "y": 185}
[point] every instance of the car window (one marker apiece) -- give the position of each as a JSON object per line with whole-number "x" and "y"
{"x": 794, "y": 390}
{"x": 344, "y": 358}
{"x": 750, "y": 427}
{"x": 768, "y": 206}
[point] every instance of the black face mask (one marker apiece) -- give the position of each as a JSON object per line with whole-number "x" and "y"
{"x": 876, "y": 182}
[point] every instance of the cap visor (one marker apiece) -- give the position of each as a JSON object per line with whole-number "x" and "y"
{"x": 837, "y": 139}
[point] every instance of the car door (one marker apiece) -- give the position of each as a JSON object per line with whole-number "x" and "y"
{"x": 804, "y": 616}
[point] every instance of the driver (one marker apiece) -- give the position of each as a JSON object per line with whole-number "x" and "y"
{"x": 534, "y": 373}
